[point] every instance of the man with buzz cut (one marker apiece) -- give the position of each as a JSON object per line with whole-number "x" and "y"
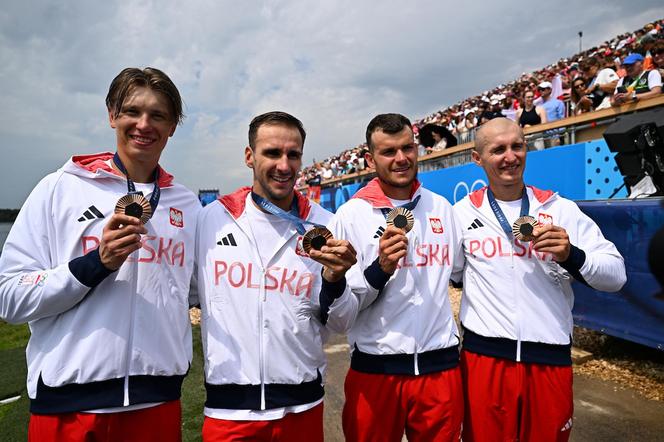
{"x": 404, "y": 374}
{"x": 271, "y": 283}
{"x": 98, "y": 263}
{"x": 523, "y": 247}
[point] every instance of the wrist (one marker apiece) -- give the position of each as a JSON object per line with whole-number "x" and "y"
{"x": 331, "y": 276}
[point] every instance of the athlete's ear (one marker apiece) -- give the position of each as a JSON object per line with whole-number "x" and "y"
{"x": 368, "y": 157}
{"x": 475, "y": 156}
{"x": 249, "y": 157}
{"x": 111, "y": 118}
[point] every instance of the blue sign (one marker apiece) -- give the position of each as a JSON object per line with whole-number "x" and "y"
{"x": 582, "y": 171}
{"x": 634, "y": 313}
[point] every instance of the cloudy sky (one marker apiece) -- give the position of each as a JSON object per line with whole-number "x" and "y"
{"x": 334, "y": 65}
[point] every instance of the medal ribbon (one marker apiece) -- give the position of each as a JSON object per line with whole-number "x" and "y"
{"x": 409, "y": 205}
{"x": 500, "y": 216}
{"x": 131, "y": 187}
{"x": 292, "y": 216}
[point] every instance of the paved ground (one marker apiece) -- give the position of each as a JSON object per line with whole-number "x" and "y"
{"x": 602, "y": 412}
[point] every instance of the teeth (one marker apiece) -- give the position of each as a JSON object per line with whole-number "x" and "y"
{"x": 281, "y": 179}
{"x": 142, "y": 139}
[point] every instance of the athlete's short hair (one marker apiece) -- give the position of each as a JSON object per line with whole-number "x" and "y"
{"x": 124, "y": 84}
{"x": 387, "y": 123}
{"x": 276, "y": 118}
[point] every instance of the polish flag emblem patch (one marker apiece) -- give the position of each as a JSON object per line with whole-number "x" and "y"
{"x": 436, "y": 225}
{"x": 176, "y": 217}
{"x": 544, "y": 218}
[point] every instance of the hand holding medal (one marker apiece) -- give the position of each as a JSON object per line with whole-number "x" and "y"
{"x": 336, "y": 255}
{"x": 122, "y": 235}
{"x": 552, "y": 239}
{"x": 524, "y": 227}
{"x": 401, "y": 218}
{"x": 315, "y": 239}
{"x": 134, "y": 205}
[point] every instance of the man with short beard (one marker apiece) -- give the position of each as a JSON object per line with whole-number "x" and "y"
{"x": 404, "y": 374}
{"x": 267, "y": 300}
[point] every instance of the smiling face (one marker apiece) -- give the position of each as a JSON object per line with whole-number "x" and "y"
{"x": 394, "y": 156}
{"x": 275, "y": 159}
{"x": 142, "y": 127}
{"x": 501, "y": 152}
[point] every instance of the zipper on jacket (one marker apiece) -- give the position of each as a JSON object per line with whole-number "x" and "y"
{"x": 518, "y": 322}
{"x": 130, "y": 338}
{"x": 261, "y": 356}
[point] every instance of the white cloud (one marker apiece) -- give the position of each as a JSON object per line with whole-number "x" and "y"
{"x": 332, "y": 64}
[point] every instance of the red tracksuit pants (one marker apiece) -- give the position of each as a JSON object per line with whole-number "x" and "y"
{"x": 154, "y": 424}
{"x": 509, "y": 401}
{"x": 306, "y": 426}
{"x": 380, "y": 407}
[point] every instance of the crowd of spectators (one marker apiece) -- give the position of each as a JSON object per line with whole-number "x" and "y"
{"x": 627, "y": 68}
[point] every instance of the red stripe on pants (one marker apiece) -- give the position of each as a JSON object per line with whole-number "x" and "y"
{"x": 507, "y": 400}
{"x": 305, "y": 426}
{"x": 380, "y": 407}
{"x": 154, "y": 424}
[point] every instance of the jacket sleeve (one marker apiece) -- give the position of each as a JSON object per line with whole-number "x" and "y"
{"x": 459, "y": 259}
{"x": 602, "y": 267}
{"x": 32, "y": 284}
{"x": 365, "y": 279}
{"x": 338, "y": 304}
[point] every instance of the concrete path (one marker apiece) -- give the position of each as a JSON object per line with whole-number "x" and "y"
{"x": 602, "y": 411}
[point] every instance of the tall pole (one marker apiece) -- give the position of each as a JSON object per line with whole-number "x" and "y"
{"x": 580, "y": 39}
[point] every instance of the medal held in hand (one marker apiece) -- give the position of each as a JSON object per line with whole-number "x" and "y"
{"x": 401, "y": 218}
{"x": 134, "y": 204}
{"x": 315, "y": 238}
{"x": 524, "y": 227}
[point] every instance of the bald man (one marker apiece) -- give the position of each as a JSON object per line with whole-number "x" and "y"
{"x": 516, "y": 309}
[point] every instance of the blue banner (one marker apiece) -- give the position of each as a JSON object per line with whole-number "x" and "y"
{"x": 634, "y": 313}
{"x": 580, "y": 171}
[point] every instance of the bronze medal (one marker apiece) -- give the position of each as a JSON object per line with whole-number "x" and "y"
{"x": 134, "y": 205}
{"x": 524, "y": 227}
{"x": 401, "y": 218}
{"x": 315, "y": 238}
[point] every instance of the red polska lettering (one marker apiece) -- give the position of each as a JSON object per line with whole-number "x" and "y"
{"x": 497, "y": 247}
{"x": 89, "y": 243}
{"x": 427, "y": 255}
{"x": 154, "y": 250}
{"x": 277, "y": 279}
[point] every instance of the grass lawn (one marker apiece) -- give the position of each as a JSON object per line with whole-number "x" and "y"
{"x": 14, "y": 416}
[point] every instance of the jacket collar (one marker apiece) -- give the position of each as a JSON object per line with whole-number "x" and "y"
{"x": 374, "y": 195}
{"x": 235, "y": 202}
{"x": 99, "y": 161}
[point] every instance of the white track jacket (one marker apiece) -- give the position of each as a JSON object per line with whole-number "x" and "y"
{"x": 521, "y": 296}
{"x": 262, "y": 323}
{"x": 99, "y": 339}
{"x": 406, "y": 316}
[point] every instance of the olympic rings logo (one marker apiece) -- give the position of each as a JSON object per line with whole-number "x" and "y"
{"x": 477, "y": 184}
